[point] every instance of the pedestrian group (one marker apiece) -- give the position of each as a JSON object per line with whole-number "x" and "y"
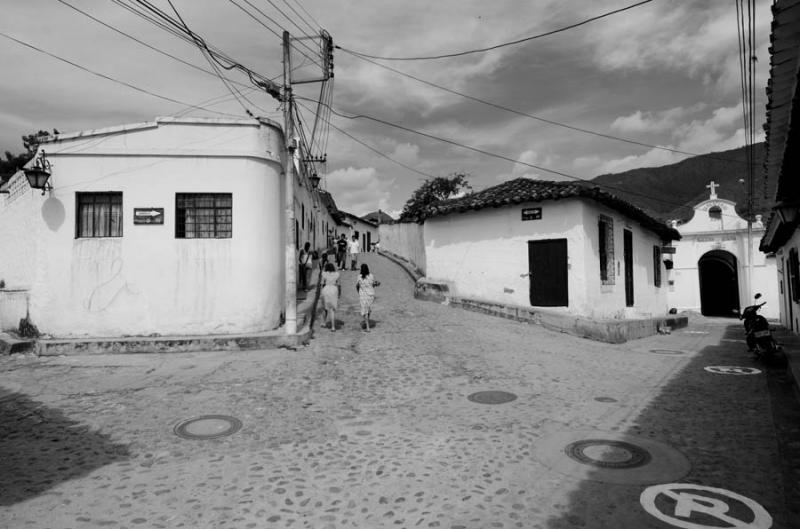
{"x": 330, "y": 280}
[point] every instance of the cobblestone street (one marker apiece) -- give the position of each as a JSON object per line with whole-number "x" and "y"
{"x": 375, "y": 429}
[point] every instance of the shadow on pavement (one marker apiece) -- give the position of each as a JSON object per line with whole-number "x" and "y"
{"x": 736, "y": 432}
{"x": 41, "y": 448}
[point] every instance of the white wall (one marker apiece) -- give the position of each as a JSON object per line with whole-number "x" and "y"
{"x": 702, "y": 234}
{"x": 608, "y": 301}
{"x": 484, "y": 254}
{"x": 789, "y": 309}
{"x": 148, "y": 281}
{"x": 405, "y": 239}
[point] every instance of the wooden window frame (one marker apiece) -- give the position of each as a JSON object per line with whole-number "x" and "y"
{"x": 605, "y": 236}
{"x": 211, "y": 221}
{"x": 85, "y": 210}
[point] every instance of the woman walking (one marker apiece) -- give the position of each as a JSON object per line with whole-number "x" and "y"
{"x": 330, "y": 294}
{"x": 365, "y": 286}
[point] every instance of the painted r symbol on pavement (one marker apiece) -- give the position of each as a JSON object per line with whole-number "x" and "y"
{"x": 706, "y": 501}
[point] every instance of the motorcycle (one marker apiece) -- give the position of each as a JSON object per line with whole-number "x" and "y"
{"x": 758, "y": 333}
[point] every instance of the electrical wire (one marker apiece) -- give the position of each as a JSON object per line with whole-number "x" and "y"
{"x": 303, "y": 9}
{"x": 505, "y": 44}
{"x": 501, "y": 156}
{"x": 157, "y": 50}
{"x": 112, "y": 79}
{"x": 313, "y": 29}
{"x": 376, "y": 151}
{"x": 532, "y": 116}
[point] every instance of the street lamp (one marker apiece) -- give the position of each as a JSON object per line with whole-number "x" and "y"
{"x": 39, "y": 174}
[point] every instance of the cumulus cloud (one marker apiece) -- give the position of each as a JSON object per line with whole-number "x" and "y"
{"x": 718, "y": 132}
{"x": 359, "y": 190}
{"x": 649, "y": 121}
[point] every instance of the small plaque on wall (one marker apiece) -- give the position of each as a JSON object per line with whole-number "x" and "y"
{"x": 531, "y": 213}
{"x": 148, "y": 215}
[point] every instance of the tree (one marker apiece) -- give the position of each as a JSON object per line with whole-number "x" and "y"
{"x": 13, "y": 162}
{"x": 433, "y": 190}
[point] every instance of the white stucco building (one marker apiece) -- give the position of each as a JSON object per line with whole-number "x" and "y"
{"x": 782, "y": 235}
{"x": 562, "y": 245}
{"x": 718, "y": 267}
{"x": 171, "y": 227}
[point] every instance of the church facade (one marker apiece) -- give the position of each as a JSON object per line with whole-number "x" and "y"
{"x": 717, "y": 267}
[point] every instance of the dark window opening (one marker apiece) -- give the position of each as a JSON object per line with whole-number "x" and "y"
{"x": 794, "y": 275}
{"x": 657, "y": 266}
{"x": 203, "y": 215}
{"x": 715, "y": 212}
{"x": 605, "y": 230}
{"x": 98, "y": 214}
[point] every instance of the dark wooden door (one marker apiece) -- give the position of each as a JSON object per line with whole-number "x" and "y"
{"x": 628, "y": 254}
{"x": 547, "y": 268}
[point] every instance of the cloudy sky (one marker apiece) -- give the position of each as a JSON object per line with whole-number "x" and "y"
{"x": 664, "y": 73}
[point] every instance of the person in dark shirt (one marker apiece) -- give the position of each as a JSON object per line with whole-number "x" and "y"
{"x": 341, "y": 251}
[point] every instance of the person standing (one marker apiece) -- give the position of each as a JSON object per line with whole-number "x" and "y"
{"x": 331, "y": 289}
{"x": 353, "y": 248}
{"x": 341, "y": 251}
{"x": 306, "y": 263}
{"x": 365, "y": 286}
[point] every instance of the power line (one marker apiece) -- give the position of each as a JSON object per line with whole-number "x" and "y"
{"x": 376, "y": 151}
{"x": 154, "y": 48}
{"x": 500, "y": 156}
{"x": 313, "y": 29}
{"x": 532, "y": 116}
{"x": 98, "y": 74}
{"x": 513, "y": 42}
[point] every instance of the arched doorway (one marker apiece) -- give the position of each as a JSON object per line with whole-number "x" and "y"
{"x": 719, "y": 284}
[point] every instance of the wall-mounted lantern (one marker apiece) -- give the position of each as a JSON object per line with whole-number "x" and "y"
{"x": 39, "y": 174}
{"x": 314, "y": 178}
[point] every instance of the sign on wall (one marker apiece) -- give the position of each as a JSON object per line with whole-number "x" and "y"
{"x": 531, "y": 213}
{"x": 148, "y": 215}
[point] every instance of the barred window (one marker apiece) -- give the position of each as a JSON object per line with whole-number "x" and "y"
{"x": 657, "y": 266}
{"x": 605, "y": 235}
{"x": 203, "y": 215}
{"x": 98, "y": 214}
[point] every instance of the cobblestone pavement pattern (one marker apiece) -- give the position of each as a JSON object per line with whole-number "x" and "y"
{"x": 375, "y": 430}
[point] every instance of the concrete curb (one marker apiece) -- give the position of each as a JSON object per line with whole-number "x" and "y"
{"x": 790, "y": 344}
{"x": 10, "y": 345}
{"x": 410, "y": 268}
{"x": 609, "y": 331}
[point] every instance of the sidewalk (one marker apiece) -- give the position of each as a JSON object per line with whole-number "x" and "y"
{"x": 306, "y": 302}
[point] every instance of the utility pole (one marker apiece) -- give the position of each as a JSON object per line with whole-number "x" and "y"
{"x": 290, "y": 294}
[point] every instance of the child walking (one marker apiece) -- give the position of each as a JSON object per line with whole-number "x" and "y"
{"x": 330, "y": 294}
{"x": 365, "y": 286}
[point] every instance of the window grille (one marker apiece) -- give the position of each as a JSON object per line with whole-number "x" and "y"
{"x": 203, "y": 215}
{"x": 606, "y": 244}
{"x": 657, "y": 266}
{"x": 98, "y": 215}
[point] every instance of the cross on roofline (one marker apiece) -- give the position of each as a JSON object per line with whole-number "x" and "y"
{"x": 712, "y": 186}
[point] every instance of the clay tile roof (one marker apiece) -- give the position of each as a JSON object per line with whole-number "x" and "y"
{"x": 527, "y": 190}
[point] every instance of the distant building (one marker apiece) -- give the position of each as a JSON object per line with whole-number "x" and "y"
{"x": 366, "y": 231}
{"x": 783, "y": 145}
{"x": 712, "y": 263}
{"x": 379, "y": 217}
{"x": 563, "y": 245}
{"x": 175, "y": 226}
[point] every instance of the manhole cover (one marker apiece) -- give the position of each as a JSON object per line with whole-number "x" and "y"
{"x": 605, "y": 453}
{"x": 492, "y": 397}
{"x": 666, "y": 351}
{"x": 208, "y": 427}
{"x": 605, "y": 399}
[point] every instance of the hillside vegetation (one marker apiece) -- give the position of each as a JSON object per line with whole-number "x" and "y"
{"x": 670, "y": 191}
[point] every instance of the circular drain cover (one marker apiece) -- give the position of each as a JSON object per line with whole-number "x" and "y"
{"x": 605, "y": 399}
{"x": 666, "y": 351}
{"x": 606, "y": 453}
{"x": 492, "y": 397}
{"x": 208, "y": 427}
